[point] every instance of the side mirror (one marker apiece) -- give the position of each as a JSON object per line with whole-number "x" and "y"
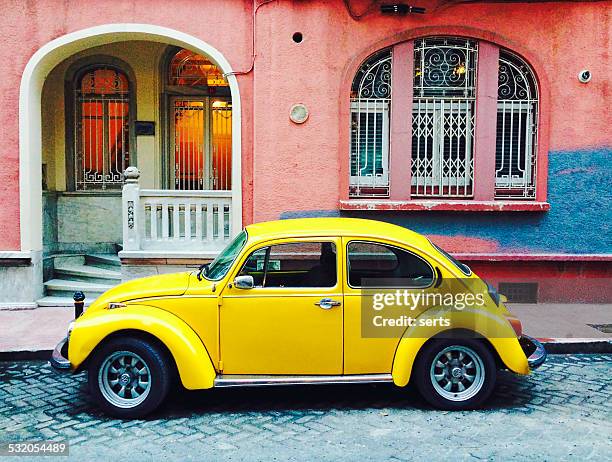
{"x": 244, "y": 282}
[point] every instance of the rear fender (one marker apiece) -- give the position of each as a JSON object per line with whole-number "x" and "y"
{"x": 490, "y": 326}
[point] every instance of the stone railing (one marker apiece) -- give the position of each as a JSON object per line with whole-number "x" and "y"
{"x": 164, "y": 222}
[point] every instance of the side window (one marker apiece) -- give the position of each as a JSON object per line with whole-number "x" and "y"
{"x": 254, "y": 266}
{"x": 386, "y": 266}
{"x": 300, "y": 264}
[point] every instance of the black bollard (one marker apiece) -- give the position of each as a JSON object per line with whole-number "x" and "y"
{"x": 79, "y": 303}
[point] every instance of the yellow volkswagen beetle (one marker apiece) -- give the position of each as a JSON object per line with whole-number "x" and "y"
{"x": 306, "y": 301}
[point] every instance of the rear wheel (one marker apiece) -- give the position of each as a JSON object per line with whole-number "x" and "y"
{"x": 129, "y": 377}
{"x": 455, "y": 374}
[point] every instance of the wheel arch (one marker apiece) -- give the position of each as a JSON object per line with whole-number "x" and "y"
{"x": 506, "y": 352}
{"x": 188, "y": 353}
{"x": 131, "y": 333}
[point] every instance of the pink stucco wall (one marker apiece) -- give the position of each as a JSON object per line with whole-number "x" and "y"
{"x": 300, "y": 167}
{"x": 297, "y": 166}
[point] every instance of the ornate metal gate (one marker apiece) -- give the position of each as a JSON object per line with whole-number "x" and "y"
{"x": 201, "y": 143}
{"x": 443, "y": 117}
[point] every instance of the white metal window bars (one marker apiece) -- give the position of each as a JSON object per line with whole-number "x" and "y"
{"x": 102, "y": 126}
{"x": 443, "y": 117}
{"x": 370, "y": 103}
{"x": 517, "y": 122}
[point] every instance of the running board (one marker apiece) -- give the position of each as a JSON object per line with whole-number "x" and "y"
{"x": 267, "y": 380}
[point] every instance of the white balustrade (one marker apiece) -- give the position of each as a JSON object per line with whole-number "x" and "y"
{"x": 174, "y": 221}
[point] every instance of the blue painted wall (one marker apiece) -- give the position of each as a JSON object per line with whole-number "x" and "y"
{"x": 580, "y": 194}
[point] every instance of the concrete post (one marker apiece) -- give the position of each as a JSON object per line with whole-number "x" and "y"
{"x": 131, "y": 205}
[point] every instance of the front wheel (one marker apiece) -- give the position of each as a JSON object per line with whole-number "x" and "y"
{"x": 129, "y": 377}
{"x": 455, "y": 374}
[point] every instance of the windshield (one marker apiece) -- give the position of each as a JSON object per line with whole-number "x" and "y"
{"x": 465, "y": 269}
{"x": 221, "y": 265}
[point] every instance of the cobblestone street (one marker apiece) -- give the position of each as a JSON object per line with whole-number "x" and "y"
{"x": 563, "y": 411}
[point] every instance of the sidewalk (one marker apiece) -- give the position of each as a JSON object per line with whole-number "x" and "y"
{"x": 40, "y": 329}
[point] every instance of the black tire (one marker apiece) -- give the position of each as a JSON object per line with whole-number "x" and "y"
{"x": 158, "y": 374}
{"x": 454, "y": 399}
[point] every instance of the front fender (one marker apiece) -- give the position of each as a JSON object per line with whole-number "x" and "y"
{"x": 190, "y": 355}
{"x": 494, "y": 328}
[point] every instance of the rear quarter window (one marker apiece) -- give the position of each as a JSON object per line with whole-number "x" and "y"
{"x": 381, "y": 265}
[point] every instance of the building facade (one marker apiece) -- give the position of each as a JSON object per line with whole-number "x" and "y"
{"x": 485, "y": 126}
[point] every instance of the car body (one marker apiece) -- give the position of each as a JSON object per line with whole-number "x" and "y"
{"x": 286, "y": 303}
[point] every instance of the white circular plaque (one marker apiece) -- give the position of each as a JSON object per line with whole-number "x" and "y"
{"x": 298, "y": 113}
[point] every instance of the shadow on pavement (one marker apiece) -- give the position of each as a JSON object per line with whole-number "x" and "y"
{"x": 512, "y": 392}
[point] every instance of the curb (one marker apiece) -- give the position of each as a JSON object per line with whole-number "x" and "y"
{"x": 25, "y": 355}
{"x": 577, "y": 345}
{"x": 552, "y": 346}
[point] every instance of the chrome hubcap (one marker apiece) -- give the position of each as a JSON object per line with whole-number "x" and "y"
{"x": 124, "y": 379}
{"x": 457, "y": 373}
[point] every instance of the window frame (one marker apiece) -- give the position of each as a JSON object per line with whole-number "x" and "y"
{"x": 529, "y": 105}
{"x": 371, "y": 87}
{"x": 384, "y": 244}
{"x": 336, "y": 241}
{"x": 484, "y": 196}
{"x": 72, "y": 78}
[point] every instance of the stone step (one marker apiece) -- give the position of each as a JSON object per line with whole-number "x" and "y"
{"x": 66, "y": 288}
{"x": 68, "y": 260}
{"x": 87, "y": 273}
{"x": 106, "y": 261}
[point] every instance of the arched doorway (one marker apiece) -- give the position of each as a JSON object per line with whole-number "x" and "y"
{"x": 46, "y": 59}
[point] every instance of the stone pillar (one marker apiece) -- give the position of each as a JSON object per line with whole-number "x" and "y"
{"x": 400, "y": 161}
{"x": 131, "y": 205}
{"x": 486, "y": 122}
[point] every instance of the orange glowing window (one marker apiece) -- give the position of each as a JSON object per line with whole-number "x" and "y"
{"x": 191, "y": 69}
{"x": 102, "y": 128}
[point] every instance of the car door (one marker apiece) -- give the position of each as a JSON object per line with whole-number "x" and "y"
{"x": 371, "y": 267}
{"x": 290, "y": 321}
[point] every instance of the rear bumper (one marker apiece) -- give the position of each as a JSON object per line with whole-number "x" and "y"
{"x": 534, "y": 350}
{"x": 58, "y": 360}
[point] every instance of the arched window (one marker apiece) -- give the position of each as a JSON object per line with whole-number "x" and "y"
{"x": 517, "y": 122}
{"x": 200, "y": 123}
{"x": 191, "y": 69}
{"x": 444, "y": 97}
{"x": 455, "y": 135}
{"x": 101, "y": 128}
{"x": 370, "y": 105}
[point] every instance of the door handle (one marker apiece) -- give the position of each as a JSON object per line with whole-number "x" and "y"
{"x": 327, "y": 303}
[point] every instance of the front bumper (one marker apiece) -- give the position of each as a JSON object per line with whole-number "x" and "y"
{"x": 534, "y": 350}
{"x": 59, "y": 361}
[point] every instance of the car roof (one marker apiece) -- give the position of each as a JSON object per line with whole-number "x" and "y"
{"x": 313, "y": 227}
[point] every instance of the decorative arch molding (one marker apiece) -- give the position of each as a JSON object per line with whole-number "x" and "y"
{"x": 484, "y": 35}
{"x": 30, "y": 124}
{"x": 78, "y": 66}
